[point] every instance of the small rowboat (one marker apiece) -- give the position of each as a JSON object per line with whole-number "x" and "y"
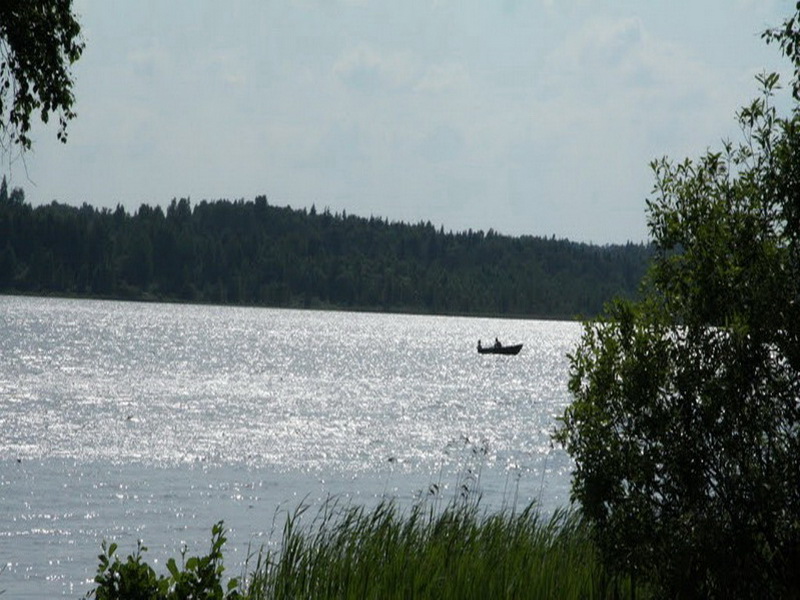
{"x": 499, "y": 349}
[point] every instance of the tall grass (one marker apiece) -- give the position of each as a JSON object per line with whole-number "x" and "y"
{"x": 427, "y": 552}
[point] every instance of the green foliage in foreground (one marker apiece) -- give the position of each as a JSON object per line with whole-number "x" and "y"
{"x": 351, "y": 552}
{"x": 39, "y": 42}
{"x": 456, "y": 553}
{"x": 199, "y": 578}
{"x": 685, "y": 425}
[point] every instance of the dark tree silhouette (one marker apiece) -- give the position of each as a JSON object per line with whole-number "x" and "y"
{"x": 254, "y": 253}
{"x": 39, "y": 42}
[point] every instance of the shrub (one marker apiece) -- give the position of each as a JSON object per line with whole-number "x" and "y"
{"x": 685, "y": 424}
{"x": 200, "y": 578}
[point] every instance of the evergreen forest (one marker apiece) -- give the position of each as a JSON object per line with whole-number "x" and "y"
{"x": 254, "y": 253}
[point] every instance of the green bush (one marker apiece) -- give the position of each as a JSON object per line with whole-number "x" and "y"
{"x": 344, "y": 551}
{"x": 200, "y": 578}
{"x": 685, "y": 424}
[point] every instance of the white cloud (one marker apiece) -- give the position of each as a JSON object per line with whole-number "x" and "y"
{"x": 365, "y": 68}
{"x": 616, "y": 79}
{"x": 230, "y": 65}
{"x": 446, "y": 77}
{"x": 609, "y": 42}
{"x": 527, "y": 117}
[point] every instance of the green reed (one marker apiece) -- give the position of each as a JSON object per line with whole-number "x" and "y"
{"x": 425, "y": 551}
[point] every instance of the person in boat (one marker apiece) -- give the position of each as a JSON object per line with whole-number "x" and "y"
{"x": 479, "y": 345}
{"x": 497, "y": 343}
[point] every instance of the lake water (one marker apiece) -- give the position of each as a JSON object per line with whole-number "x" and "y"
{"x": 126, "y": 421}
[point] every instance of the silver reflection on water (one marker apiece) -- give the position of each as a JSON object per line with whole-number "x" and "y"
{"x": 128, "y": 420}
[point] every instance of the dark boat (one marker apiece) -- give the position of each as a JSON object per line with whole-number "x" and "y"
{"x": 499, "y": 349}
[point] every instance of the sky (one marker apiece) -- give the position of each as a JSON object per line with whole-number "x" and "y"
{"x": 529, "y": 117}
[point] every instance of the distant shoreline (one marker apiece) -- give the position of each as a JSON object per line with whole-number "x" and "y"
{"x": 146, "y": 299}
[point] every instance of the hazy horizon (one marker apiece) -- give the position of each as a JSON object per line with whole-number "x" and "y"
{"x": 536, "y": 118}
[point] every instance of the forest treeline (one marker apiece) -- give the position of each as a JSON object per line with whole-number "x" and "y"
{"x": 254, "y": 253}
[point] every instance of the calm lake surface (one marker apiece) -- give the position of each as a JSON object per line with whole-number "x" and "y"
{"x": 127, "y": 421}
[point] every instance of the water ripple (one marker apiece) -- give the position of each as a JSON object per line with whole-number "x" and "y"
{"x": 130, "y": 420}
